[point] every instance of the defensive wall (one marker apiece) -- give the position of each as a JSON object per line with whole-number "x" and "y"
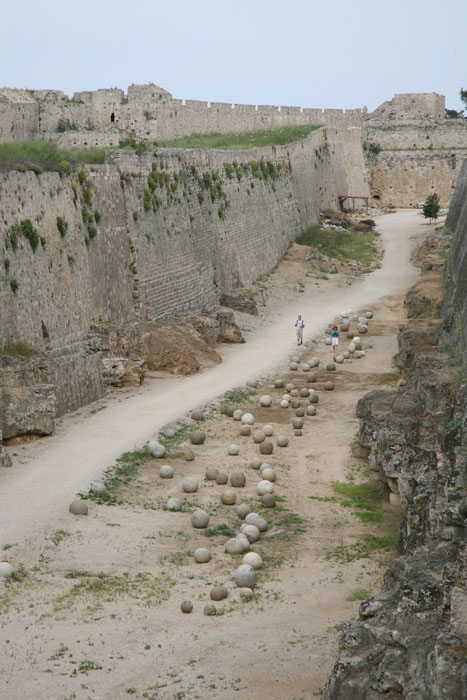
{"x": 150, "y": 236}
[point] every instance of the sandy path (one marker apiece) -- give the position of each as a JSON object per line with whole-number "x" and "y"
{"x": 67, "y": 462}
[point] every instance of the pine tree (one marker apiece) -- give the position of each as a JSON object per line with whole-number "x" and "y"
{"x": 431, "y": 207}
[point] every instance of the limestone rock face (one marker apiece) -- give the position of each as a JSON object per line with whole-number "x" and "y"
{"x": 177, "y": 349}
{"x": 122, "y": 371}
{"x": 411, "y": 638}
{"x": 239, "y": 301}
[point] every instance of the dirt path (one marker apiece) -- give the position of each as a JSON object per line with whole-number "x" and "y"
{"x": 64, "y": 641}
{"x": 57, "y": 467}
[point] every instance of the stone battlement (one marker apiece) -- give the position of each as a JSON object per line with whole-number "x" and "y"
{"x": 150, "y": 113}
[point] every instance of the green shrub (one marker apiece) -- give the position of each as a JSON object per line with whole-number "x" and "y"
{"x": 7, "y": 263}
{"x": 147, "y": 200}
{"x": 97, "y": 216}
{"x": 135, "y": 216}
{"x": 62, "y": 226}
{"x": 92, "y": 232}
{"x": 14, "y": 284}
{"x": 87, "y": 196}
{"x": 66, "y": 125}
{"x": 18, "y": 349}
{"x": 82, "y": 177}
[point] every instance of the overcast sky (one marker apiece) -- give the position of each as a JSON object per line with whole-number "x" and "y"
{"x": 335, "y": 54}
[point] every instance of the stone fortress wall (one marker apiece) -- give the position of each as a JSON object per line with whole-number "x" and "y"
{"x": 175, "y": 230}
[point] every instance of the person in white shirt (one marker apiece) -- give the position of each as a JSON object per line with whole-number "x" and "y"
{"x": 299, "y": 326}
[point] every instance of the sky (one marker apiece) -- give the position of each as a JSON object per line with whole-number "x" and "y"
{"x": 339, "y": 54}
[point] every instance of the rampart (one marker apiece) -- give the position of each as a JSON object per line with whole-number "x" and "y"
{"x": 153, "y": 235}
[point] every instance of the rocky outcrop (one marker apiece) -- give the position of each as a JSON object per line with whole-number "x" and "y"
{"x": 27, "y": 397}
{"x": 411, "y": 640}
{"x": 240, "y": 301}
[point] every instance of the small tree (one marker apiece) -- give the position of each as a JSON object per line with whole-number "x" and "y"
{"x": 463, "y": 96}
{"x": 431, "y": 207}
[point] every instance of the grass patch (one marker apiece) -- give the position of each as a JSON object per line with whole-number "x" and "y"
{"x": 366, "y": 499}
{"x": 239, "y": 396}
{"x": 241, "y": 140}
{"x": 176, "y": 558}
{"x": 147, "y": 589}
{"x": 342, "y": 245}
{"x": 42, "y": 156}
{"x": 362, "y": 549}
{"x": 18, "y": 350}
{"x": 58, "y": 536}
{"x": 223, "y": 529}
{"x": 172, "y": 444}
{"x": 359, "y": 594}
{"x": 125, "y": 471}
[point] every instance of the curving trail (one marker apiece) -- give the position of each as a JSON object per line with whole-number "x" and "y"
{"x": 36, "y": 495}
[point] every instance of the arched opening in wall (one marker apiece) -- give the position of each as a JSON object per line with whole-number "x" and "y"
{"x": 112, "y": 117}
{"x": 376, "y": 196}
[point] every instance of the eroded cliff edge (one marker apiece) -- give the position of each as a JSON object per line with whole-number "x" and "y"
{"x": 411, "y": 640}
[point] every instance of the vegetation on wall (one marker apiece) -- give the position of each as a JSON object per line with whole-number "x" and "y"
{"x": 40, "y": 156}
{"x": 241, "y": 140}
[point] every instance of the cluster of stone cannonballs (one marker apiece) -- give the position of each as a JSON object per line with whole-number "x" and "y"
{"x": 355, "y": 348}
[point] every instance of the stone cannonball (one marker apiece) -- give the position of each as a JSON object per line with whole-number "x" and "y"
{"x": 328, "y": 386}
{"x": 304, "y": 392}
{"x": 251, "y": 532}
{"x": 290, "y": 386}
{"x": 300, "y": 412}
{"x": 363, "y": 320}
{"x": 357, "y": 354}
{"x": 190, "y": 484}
{"x": 188, "y": 455}
{"x": 268, "y": 500}
{"x": 265, "y": 401}
{"x": 259, "y": 436}
{"x": 245, "y": 541}
{"x": 339, "y": 359}
{"x": 228, "y": 497}
{"x": 264, "y": 465}
{"x": 294, "y": 393}
{"x": 261, "y": 524}
{"x": 314, "y": 362}
{"x": 328, "y": 341}
{"x": 246, "y": 594}
{"x": 245, "y": 576}
{"x": 345, "y": 325}
{"x": 218, "y": 593}
{"x": 248, "y": 419}
{"x": 356, "y": 340}
{"x": 197, "y": 437}
{"x": 256, "y": 463}
{"x": 237, "y": 415}
{"x": 311, "y": 377}
{"x": 156, "y": 449}
{"x": 211, "y": 473}
{"x": 174, "y": 504}
{"x": 295, "y": 403}
{"x": 330, "y": 367}
{"x": 210, "y": 610}
{"x": 351, "y": 348}
{"x": 231, "y": 408}
{"x": 186, "y": 606}
{"x": 328, "y": 330}
{"x": 233, "y": 546}
{"x": 78, "y": 507}
{"x": 223, "y": 409}
{"x": 293, "y": 366}
{"x": 269, "y": 474}
{"x": 278, "y": 383}
{"x": 346, "y": 355}
{"x": 6, "y": 570}
{"x": 253, "y": 559}
{"x": 286, "y": 397}
{"x": 197, "y": 415}
{"x": 306, "y": 367}
{"x": 251, "y": 518}
{"x": 237, "y": 479}
{"x": 314, "y": 398}
{"x": 233, "y": 450}
{"x": 311, "y": 410}
{"x": 264, "y": 486}
{"x": 284, "y": 403}
{"x": 350, "y": 335}
{"x": 98, "y": 488}
{"x": 166, "y": 472}
{"x": 252, "y": 383}
{"x": 245, "y": 430}
{"x": 222, "y": 478}
{"x": 297, "y": 422}
{"x": 243, "y": 510}
{"x": 282, "y": 440}
{"x": 199, "y": 518}
{"x": 202, "y": 555}
{"x": 268, "y": 430}
{"x": 369, "y": 314}
{"x": 266, "y": 447}
{"x": 298, "y": 432}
